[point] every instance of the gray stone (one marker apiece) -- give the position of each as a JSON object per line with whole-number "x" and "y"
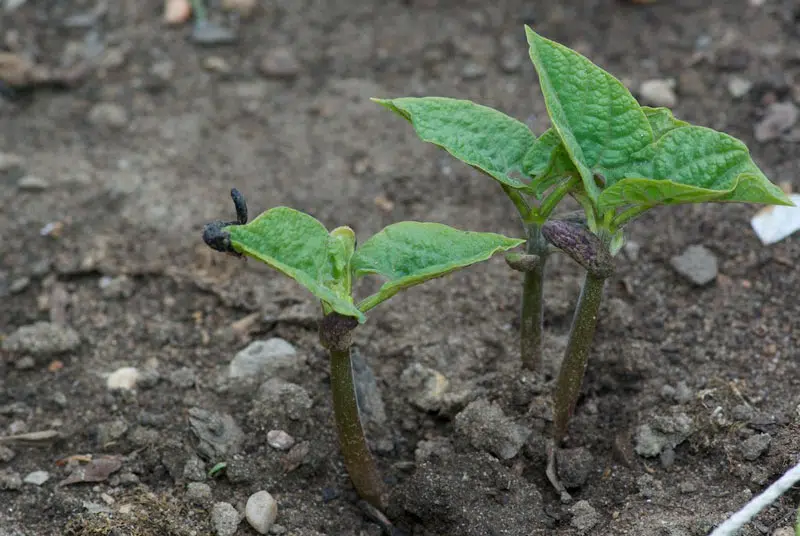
{"x": 280, "y": 62}
{"x": 19, "y": 284}
{"x": 370, "y": 402}
{"x": 487, "y": 428}
{"x": 280, "y": 440}
{"x": 225, "y": 519}
{"x": 194, "y": 469}
{"x": 32, "y": 183}
{"x": 662, "y": 432}
{"x": 37, "y": 478}
{"x": 584, "y": 516}
{"x": 279, "y": 397}
{"x": 273, "y": 358}
{"x": 108, "y": 115}
{"x": 754, "y": 446}
{"x": 25, "y": 363}
{"x": 183, "y": 378}
{"x": 440, "y": 447}
{"x": 650, "y": 487}
{"x": 199, "y": 493}
{"x": 574, "y": 466}
{"x": 261, "y": 511}
{"x": 108, "y": 432}
{"x": 10, "y": 480}
{"x": 658, "y": 92}
{"x": 217, "y": 435}
{"x": 697, "y": 264}
{"x": 10, "y": 162}
{"x": 739, "y": 87}
{"x": 743, "y": 413}
{"x": 683, "y": 393}
{"x": 472, "y": 71}
{"x": 425, "y": 387}
{"x": 42, "y": 339}
{"x": 6, "y": 454}
{"x": 779, "y": 118}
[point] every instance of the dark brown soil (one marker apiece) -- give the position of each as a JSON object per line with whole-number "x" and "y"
{"x": 132, "y": 199}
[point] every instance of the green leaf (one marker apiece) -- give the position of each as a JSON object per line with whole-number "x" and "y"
{"x": 479, "y": 136}
{"x": 599, "y": 122}
{"x": 299, "y": 246}
{"x": 661, "y": 120}
{"x": 645, "y": 155}
{"x": 410, "y": 253}
{"x": 689, "y": 164}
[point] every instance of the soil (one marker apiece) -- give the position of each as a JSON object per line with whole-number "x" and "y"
{"x": 129, "y": 184}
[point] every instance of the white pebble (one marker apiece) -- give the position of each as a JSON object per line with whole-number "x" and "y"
{"x": 261, "y": 511}
{"x": 37, "y": 478}
{"x": 658, "y": 92}
{"x": 124, "y": 378}
{"x": 278, "y": 439}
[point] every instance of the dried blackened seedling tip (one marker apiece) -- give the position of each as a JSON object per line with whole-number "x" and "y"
{"x": 213, "y": 234}
{"x": 240, "y": 205}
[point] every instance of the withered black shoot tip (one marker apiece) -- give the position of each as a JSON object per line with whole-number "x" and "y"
{"x": 213, "y": 234}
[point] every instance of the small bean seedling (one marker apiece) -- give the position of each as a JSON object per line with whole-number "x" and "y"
{"x": 617, "y": 158}
{"x": 326, "y": 263}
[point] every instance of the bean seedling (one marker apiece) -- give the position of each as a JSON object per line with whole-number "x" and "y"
{"x": 617, "y": 158}
{"x": 326, "y": 263}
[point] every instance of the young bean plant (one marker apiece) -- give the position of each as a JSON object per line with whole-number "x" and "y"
{"x": 617, "y": 158}
{"x": 326, "y": 263}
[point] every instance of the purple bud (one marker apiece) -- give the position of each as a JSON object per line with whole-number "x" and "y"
{"x": 581, "y": 244}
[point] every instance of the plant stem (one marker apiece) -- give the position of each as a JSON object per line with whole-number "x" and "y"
{"x": 532, "y": 314}
{"x": 519, "y": 201}
{"x": 335, "y": 336}
{"x": 628, "y": 215}
{"x": 570, "y": 376}
{"x": 559, "y": 192}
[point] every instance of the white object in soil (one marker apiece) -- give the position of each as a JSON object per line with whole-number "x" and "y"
{"x": 261, "y": 511}
{"x": 774, "y": 223}
{"x": 124, "y": 378}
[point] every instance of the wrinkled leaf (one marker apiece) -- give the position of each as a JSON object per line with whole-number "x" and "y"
{"x": 690, "y": 164}
{"x": 299, "y": 246}
{"x": 644, "y": 155}
{"x": 596, "y": 117}
{"x": 482, "y": 137}
{"x": 410, "y": 253}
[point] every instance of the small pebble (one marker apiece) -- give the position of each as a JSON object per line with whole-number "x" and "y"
{"x": 217, "y": 65}
{"x": 208, "y": 33}
{"x": 199, "y": 493}
{"x": 32, "y": 183}
{"x": 108, "y": 114}
{"x": 177, "y": 11}
{"x": 25, "y": 363}
{"x": 124, "y": 378}
{"x": 780, "y": 117}
{"x": 225, "y": 519}
{"x": 42, "y": 339}
{"x": 754, "y": 446}
{"x": 584, "y": 516}
{"x": 37, "y": 478}
{"x": 425, "y": 387}
{"x": 183, "y": 378}
{"x": 487, "y": 428}
{"x": 280, "y": 62}
{"x": 194, "y": 469}
{"x": 261, "y": 511}
{"x": 697, "y": 264}
{"x": 9, "y": 162}
{"x": 658, "y": 92}
{"x": 242, "y": 7}
{"x": 272, "y": 358}
{"x": 18, "y": 285}
{"x": 739, "y": 87}
{"x": 472, "y": 71}
{"x": 6, "y": 454}
{"x": 10, "y": 480}
{"x": 280, "y": 440}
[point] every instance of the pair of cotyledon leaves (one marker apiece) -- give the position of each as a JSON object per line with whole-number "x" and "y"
{"x": 645, "y": 155}
{"x": 405, "y": 254}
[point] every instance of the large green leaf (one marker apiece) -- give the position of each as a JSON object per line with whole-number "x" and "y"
{"x": 480, "y": 136}
{"x": 410, "y": 253}
{"x": 644, "y": 155}
{"x": 596, "y": 117}
{"x": 689, "y": 164}
{"x": 299, "y": 246}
